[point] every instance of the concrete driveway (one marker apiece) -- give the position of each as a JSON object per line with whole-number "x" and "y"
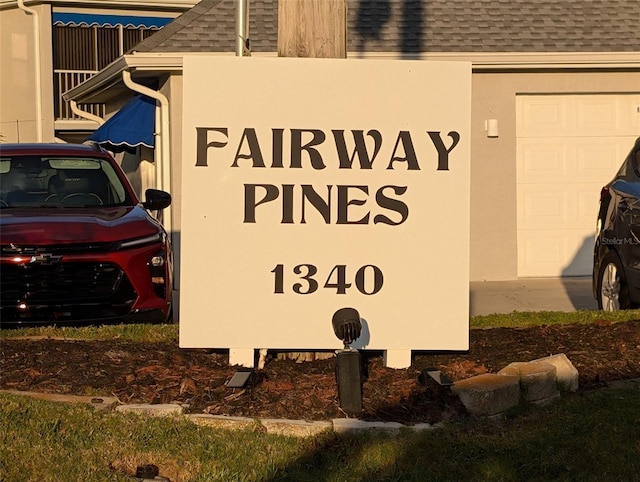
{"x": 533, "y": 294}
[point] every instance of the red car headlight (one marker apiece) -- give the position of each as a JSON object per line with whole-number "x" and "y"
{"x": 137, "y": 242}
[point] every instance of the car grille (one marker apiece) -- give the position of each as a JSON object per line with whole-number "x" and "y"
{"x": 84, "y": 248}
{"x": 64, "y": 291}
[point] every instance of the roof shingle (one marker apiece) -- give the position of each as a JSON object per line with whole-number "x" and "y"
{"x": 411, "y": 26}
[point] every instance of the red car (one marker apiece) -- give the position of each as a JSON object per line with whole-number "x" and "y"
{"x": 77, "y": 244}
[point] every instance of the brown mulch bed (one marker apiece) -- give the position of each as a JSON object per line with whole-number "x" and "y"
{"x": 162, "y": 373}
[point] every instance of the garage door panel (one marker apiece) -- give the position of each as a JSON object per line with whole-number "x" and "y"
{"x": 571, "y": 160}
{"x": 564, "y": 253}
{"x": 556, "y": 207}
{"x": 579, "y": 255}
{"x": 544, "y": 206}
{"x": 541, "y": 161}
{"x": 568, "y": 147}
{"x": 541, "y": 115}
{"x": 542, "y": 253}
{"x": 588, "y": 198}
{"x": 577, "y": 115}
{"x": 598, "y": 159}
{"x": 598, "y": 114}
{"x": 608, "y": 115}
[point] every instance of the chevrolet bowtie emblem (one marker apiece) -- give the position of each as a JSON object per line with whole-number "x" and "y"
{"x": 45, "y": 258}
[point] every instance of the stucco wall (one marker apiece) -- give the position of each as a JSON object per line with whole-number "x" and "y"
{"x": 493, "y": 160}
{"x": 18, "y": 111}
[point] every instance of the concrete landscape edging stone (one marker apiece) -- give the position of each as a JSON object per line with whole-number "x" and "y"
{"x": 292, "y": 428}
{"x": 488, "y": 394}
{"x": 566, "y": 373}
{"x": 97, "y": 402}
{"x": 538, "y": 381}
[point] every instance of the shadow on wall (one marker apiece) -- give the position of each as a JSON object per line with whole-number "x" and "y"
{"x": 370, "y": 27}
{"x": 576, "y": 277}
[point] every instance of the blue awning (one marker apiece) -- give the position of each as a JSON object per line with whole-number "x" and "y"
{"x": 91, "y": 19}
{"x": 130, "y": 127}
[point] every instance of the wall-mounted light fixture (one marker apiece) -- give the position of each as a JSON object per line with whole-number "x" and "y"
{"x": 491, "y": 126}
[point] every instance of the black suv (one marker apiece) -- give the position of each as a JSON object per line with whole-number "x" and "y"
{"x": 616, "y": 255}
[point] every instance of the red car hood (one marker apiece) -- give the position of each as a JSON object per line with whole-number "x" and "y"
{"x": 36, "y": 226}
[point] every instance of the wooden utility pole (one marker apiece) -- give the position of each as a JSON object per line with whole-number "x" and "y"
{"x": 312, "y": 28}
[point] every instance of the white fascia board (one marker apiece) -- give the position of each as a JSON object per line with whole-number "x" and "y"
{"x": 160, "y": 61}
{"x": 492, "y": 61}
{"x": 497, "y": 61}
{"x": 523, "y": 60}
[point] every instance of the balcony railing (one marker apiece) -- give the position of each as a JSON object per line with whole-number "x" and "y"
{"x": 65, "y": 80}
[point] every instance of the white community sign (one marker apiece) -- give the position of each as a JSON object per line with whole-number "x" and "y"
{"x": 310, "y": 185}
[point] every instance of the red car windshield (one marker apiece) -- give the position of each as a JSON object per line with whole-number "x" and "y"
{"x": 58, "y": 182}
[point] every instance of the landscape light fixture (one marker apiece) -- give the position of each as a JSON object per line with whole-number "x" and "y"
{"x": 347, "y": 327}
{"x": 241, "y": 378}
{"x": 436, "y": 375}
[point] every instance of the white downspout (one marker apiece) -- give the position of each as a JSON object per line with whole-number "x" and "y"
{"x": 38, "y": 80}
{"x": 163, "y": 145}
{"x": 85, "y": 115}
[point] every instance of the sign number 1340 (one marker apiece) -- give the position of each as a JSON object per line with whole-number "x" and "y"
{"x": 368, "y": 279}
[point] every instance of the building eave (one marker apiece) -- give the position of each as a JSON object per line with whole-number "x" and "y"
{"x": 525, "y": 60}
{"x": 108, "y": 82}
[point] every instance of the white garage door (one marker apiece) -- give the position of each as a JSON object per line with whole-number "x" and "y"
{"x": 568, "y": 147}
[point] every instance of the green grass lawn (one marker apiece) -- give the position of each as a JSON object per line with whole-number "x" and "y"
{"x": 593, "y": 436}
